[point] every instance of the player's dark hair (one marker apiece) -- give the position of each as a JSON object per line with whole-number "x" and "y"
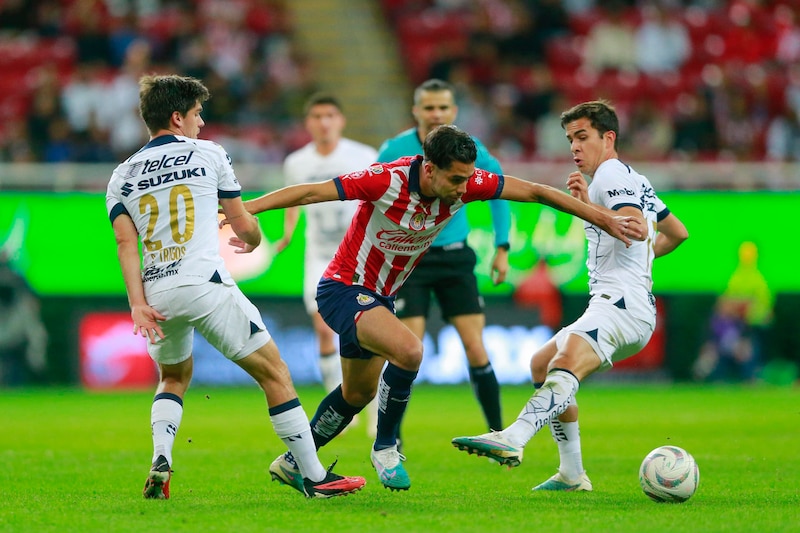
{"x": 321, "y": 99}
{"x": 433, "y": 85}
{"x": 446, "y": 144}
{"x": 601, "y": 115}
{"x": 160, "y": 96}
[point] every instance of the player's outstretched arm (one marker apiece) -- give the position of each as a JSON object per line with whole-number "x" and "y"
{"x": 620, "y": 227}
{"x": 671, "y": 233}
{"x": 294, "y": 195}
{"x": 243, "y": 224}
{"x": 578, "y": 188}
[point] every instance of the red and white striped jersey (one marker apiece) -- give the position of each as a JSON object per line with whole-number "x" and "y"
{"x": 395, "y": 224}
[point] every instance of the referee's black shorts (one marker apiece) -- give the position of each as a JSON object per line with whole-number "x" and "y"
{"x": 449, "y": 273}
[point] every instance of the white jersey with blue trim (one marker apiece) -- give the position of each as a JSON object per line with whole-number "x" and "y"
{"x": 171, "y": 190}
{"x": 615, "y": 271}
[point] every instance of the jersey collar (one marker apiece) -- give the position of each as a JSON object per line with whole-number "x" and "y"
{"x": 413, "y": 178}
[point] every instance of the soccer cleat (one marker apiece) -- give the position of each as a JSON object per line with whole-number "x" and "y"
{"x": 284, "y": 470}
{"x": 157, "y": 485}
{"x": 388, "y": 464}
{"x": 560, "y": 483}
{"x": 492, "y": 445}
{"x": 332, "y": 485}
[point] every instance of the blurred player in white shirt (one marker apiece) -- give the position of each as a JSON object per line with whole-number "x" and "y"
{"x": 327, "y": 155}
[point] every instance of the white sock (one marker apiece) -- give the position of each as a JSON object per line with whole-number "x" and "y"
{"x": 550, "y": 400}
{"x": 372, "y": 418}
{"x": 330, "y": 366}
{"x": 568, "y": 437}
{"x": 165, "y": 419}
{"x": 293, "y": 429}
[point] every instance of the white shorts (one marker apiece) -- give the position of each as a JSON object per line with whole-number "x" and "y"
{"x": 314, "y": 269}
{"x": 614, "y": 334}
{"x": 220, "y": 313}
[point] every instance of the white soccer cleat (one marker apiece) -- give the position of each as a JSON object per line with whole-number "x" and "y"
{"x": 560, "y": 483}
{"x": 388, "y": 464}
{"x": 493, "y": 445}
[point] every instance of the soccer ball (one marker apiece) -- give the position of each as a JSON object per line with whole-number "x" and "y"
{"x": 669, "y": 474}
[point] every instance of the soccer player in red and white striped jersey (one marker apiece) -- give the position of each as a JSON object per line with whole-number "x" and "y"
{"x": 404, "y": 205}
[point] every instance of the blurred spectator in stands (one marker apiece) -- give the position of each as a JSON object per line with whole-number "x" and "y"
{"x": 578, "y": 7}
{"x": 537, "y": 90}
{"x": 23, "y": 337}
{"x": 792, "y": 90}
{"x": 611, "y": 42}
{"x": 49, "y": 15}
{"x": 446, "y": 55}
{"x": 231, "y": 44}
{"x": 60, "y": 146}
{"x": 94, "y": 146}
{"x": 82, "y": 97}
{"x": 124, "y": 31}
{"x": 520, "y": 43}
{"x": 296, "y": 74}
{"x": 15, "y": 146}
{"x": 738, "y": 128}
{"x": 783, "y": 137}
{"x": 746, "y": 40}
{"x": 549, "y": 135}
{"x": 45, "y": 110}
{"x": 221, "y": 109}
{"x": 651, "y": 133}
{"x": 662, "y": 41}
{"x": 696, "y": 135}
{"x": 512, "y": 139}
{"x": 85, "y": 21}
{"x": 787, "y": 40}
{"x": 484, "y": 60}
{"x": 264, "y": 104}
{"x": 119, "y": 114}
{"x": 475, "y": 112}
{"x": 551, "y": 19}
{"x": 16, "y": 16}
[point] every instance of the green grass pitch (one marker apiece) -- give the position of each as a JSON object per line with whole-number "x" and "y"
{"x": 76, "y": 461}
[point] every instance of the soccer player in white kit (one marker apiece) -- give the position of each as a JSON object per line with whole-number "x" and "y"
{"x": 327, "y": 155}
{"x": 167, "y": 194}
{"x": 621, "y": 315}
{"x": 403, "y": 207}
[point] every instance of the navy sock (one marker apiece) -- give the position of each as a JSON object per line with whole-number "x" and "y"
{"x": 332, "y": 416}
{"x": 487, "y": 390}
{"x": 394, "y": 390}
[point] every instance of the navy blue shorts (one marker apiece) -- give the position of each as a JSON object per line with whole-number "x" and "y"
{"x": 340, "y": 306}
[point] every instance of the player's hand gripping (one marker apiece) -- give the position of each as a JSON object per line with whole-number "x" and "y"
{"x": 145, "y": 322}
{"x": 578, "y": 187}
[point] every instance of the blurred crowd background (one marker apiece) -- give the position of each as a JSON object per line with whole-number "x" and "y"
{"x": 695, "y": 80}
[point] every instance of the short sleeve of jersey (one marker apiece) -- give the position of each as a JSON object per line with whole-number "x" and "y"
{"x": 228, "y": 186}
{"x": 114, "y": 206}
{"x": 483, "y": 185}
{"x": 369, "y": 184}
{"x": 616, "y": 187}
{"x": 654, "y": 203}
